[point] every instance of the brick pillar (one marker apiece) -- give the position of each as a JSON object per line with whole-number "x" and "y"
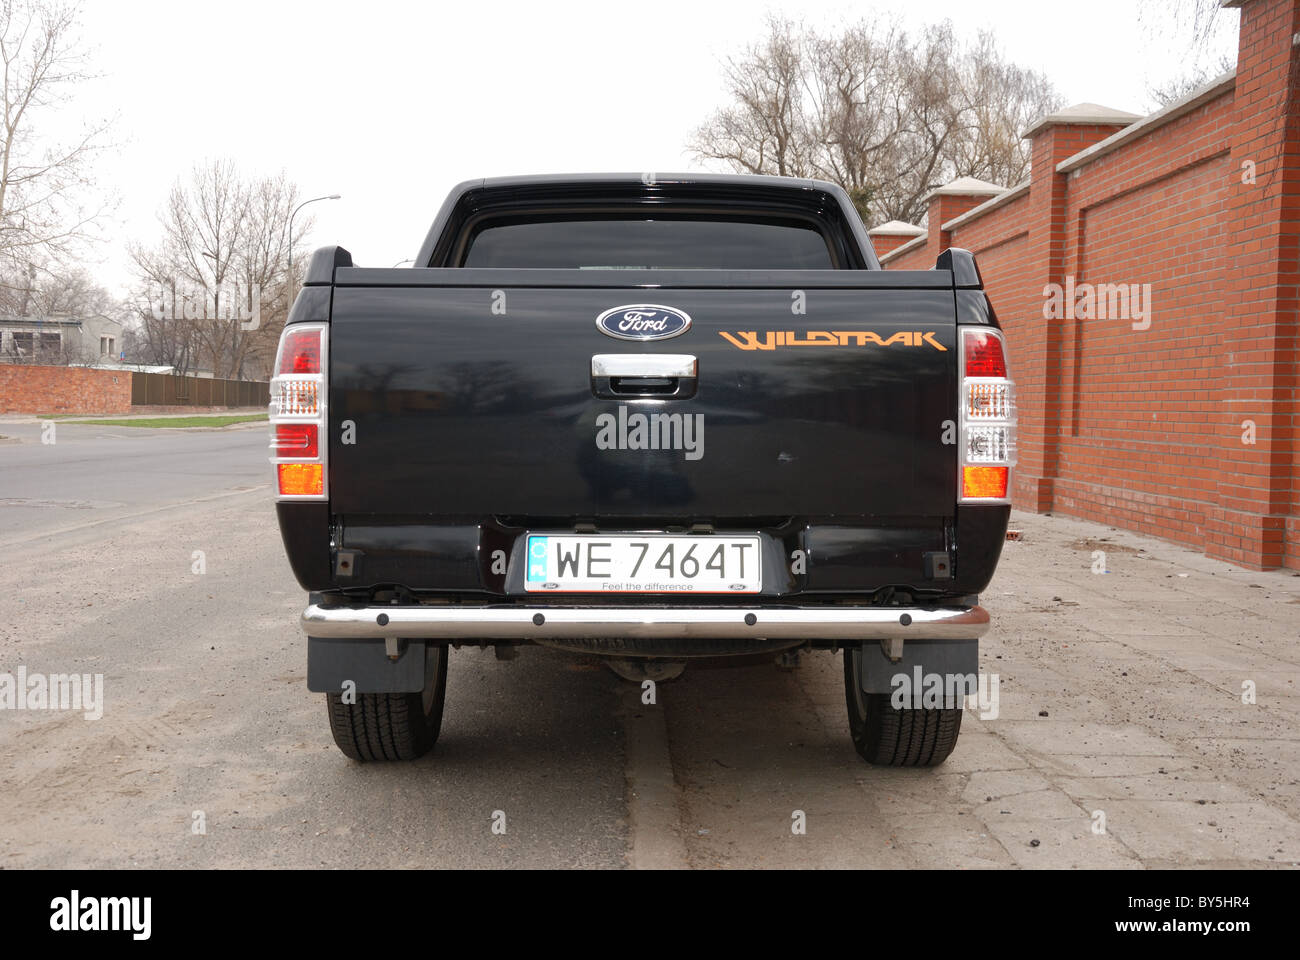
{"x": 888, "y": 237}
{"x": 950, "y": 201}
{"x": 1036, "y": 348}
{"x": 1254, "y": 487}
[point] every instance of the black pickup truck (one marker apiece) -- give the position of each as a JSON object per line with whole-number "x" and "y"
{"x": 647, "y": 418}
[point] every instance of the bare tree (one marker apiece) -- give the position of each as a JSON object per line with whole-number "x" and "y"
{"x": 43, "y": 184}
{"x": 764, "y": 128}
{"x": 163, "y": 341}
{"x": 932, "y": 113}
{"x": 261, "y": 266}
{"x": 999, "y": 101}
{"x": 49, "y": 290}
{"x": 858, "y": 99}
{"x": 884, "y": 113}
{"x": 216, "y": 284}
{"x": 1166, "y": 93}
{"x": 1199, "y": 22}
{"x": 1203, "y": 29}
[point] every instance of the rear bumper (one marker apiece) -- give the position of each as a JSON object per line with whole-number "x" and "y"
{"x": 542, "y": 623}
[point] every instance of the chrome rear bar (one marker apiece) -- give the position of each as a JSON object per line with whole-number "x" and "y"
{"x": 379, "y": 622}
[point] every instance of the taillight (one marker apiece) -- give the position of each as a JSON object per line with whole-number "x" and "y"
{"x": 988, "y": 418}
{"x": 983, "y": 353}
{"x": 297, "y": 412}
{"x": 297, "y": 440}
{"x": 300, "y": 351}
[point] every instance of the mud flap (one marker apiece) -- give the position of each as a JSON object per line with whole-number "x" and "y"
{"x": 947, "y": 666}
{"x": 331, "y": 663}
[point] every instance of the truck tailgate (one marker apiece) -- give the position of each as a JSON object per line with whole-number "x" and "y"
{"x": 471, "y": 393}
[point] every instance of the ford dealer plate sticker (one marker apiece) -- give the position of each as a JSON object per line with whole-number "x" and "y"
{"x": 643, "y": 564}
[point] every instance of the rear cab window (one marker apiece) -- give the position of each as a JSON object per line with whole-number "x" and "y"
{"x": 641, "y": 242}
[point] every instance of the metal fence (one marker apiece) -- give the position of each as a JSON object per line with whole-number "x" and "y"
{"x": 170, "y": 390}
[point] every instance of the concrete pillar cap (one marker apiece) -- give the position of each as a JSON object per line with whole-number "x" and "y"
{"x": 1083, "y": 114}
{"x": 896, "y": 228}
{"x": 965, "y": 187}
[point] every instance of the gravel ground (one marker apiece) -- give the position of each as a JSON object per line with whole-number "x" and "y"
{"x": 1123, "y": 735}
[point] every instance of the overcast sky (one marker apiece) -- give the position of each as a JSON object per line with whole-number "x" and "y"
{"x": 392, "y": 103}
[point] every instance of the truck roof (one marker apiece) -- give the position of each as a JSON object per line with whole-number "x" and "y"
{"x": 737, "y": 179}
{"x": 576, "y": 185}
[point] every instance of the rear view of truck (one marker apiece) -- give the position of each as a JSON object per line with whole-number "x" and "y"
{"x": 652, "y": 420}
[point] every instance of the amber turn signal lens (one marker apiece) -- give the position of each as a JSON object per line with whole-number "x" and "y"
{"x": 302, "y": 479}
{"x": 981, "y": 482}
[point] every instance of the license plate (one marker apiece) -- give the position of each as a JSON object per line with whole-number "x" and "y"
{"x": 643, "y": 564}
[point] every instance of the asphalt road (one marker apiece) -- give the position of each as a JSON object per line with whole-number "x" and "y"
{"x": 93, "y": 473}
{"x": 1120, "y": 694}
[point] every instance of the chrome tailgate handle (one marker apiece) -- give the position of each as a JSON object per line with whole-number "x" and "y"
{"x": 643, "y": 365}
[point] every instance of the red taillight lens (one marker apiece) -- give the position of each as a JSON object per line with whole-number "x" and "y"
{"x": 301, "y": 479}
{"x": 299, "y": 397}
{"x": 300, "y": 351}
{"x": 983, "y": 355}
{"x": 296, "y": 440}
{"x": 979, "y": 483}
{"x": 988, "y": 418}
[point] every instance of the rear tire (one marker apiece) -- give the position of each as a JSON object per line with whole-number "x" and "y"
{"x": 393, "y": 726}
{"x": 885, "y": 736}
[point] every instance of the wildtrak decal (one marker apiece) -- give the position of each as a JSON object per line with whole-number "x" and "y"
{"x": 771, "y": 339}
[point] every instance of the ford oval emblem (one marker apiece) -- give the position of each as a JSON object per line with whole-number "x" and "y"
{"x": 643, "y": 321}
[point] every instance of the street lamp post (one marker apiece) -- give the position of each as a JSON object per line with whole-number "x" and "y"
{"x": 332, "y": 196}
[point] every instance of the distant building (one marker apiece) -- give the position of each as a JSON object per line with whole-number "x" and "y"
{"x": 84, "y": 341}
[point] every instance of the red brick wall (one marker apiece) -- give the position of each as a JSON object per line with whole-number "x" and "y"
{"x": 63, "y": 390}
{"x": 1142, "y": 428}
{"x": 944, "y": 208}
{"x": 1137, "y": 433}
{"x": 884, "y": 243}
{"x": 919, "y": 257}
